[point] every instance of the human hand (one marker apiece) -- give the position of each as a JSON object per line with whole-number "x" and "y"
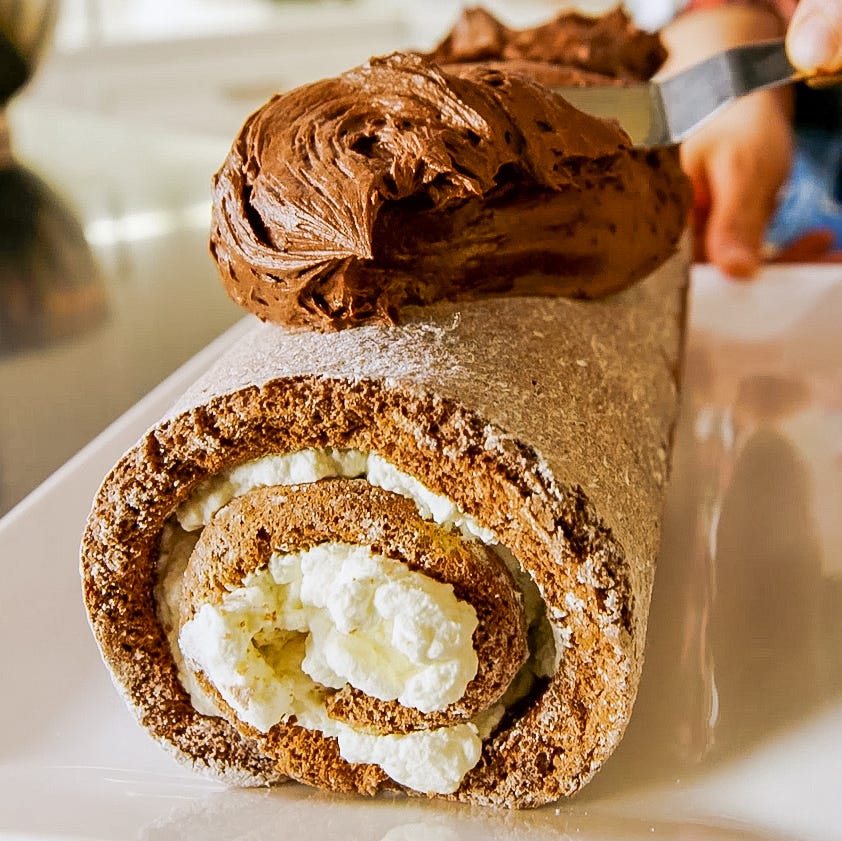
{"x": 814, "y": 37}
{"x": 738, "y": 162}
{"x": 737, "y": 165}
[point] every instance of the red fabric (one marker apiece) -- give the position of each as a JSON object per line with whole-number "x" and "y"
{"x": 813, "y": 247}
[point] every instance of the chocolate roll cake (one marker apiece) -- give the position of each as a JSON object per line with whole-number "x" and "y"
{"x": 402, "y": 537}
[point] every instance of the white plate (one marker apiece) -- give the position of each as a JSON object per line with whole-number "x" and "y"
{"x": 737, "y": 733}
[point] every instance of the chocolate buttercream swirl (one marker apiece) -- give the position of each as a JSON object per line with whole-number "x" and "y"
{"x": 588, "y": 48}
{"x": 402, "y": 183}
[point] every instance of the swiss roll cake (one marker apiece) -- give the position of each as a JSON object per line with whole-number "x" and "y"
{"x": 402, "y": 536}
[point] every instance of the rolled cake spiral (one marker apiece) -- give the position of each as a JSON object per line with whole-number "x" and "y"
{"x": 361, "y": 620}
{"x": 532, "y": 439}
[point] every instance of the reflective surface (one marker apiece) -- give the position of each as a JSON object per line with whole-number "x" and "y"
{"x": 737, "y": 733}
{"x": 50, "y": 284}
{"x": 106, "y": 285}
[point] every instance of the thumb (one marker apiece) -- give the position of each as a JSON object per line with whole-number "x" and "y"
{"x": 814, "y": 38}
{"x": 742, "y": 203}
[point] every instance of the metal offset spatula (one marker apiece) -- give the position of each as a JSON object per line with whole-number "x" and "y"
{"x": 666, "y": 111}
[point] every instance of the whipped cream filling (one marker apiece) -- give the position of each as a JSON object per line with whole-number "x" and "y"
{"x": 307, "y": 466}
{"x": 267, "y": 674}
{"x": 341, "y": 615}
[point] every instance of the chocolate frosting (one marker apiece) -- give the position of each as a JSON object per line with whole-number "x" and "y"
{"x": 404, "y": 182}
{"x": 600, "y": 48}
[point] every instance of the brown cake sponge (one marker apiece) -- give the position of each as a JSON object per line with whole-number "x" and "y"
{"x": 548, "y": 420}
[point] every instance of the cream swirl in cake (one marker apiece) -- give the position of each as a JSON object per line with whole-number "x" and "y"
{"x": 314, "y": 635}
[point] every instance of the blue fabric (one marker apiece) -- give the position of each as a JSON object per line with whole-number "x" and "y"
{"x": 812, "y": 197}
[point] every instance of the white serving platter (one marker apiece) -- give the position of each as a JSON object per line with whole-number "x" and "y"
{"x": 737, "y": 733}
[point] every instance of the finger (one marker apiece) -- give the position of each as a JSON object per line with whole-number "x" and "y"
{"x": 814, "y": 38}
{"x": 743, "y": 200}
{"x": 693, "y": 163}
{"x": 699, "y": 216}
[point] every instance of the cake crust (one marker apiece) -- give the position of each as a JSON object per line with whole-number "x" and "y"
{"x": 549, "y": 421}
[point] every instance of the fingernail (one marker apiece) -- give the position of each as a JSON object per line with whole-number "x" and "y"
{"x": 811, "y": 42}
